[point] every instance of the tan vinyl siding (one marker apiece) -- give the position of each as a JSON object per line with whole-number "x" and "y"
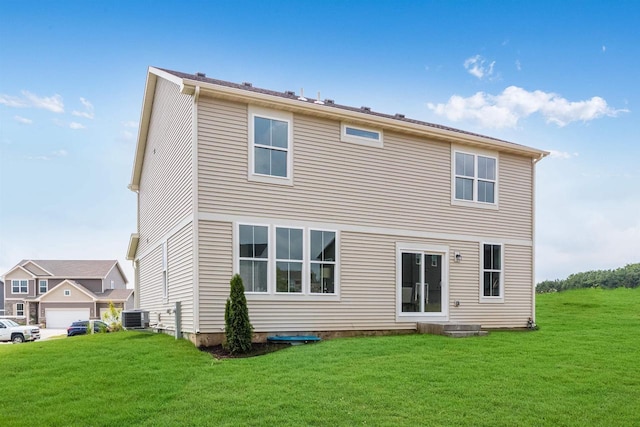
{"x": 150, "y": 289}
{"x": 57, "y": 295}
{"x": 180, "y": 272}
{"x": 405, "y": 185}
{"x": 216, "y": 269}
{"x": 368, "y": 286}
{"x": 166, "y": 184}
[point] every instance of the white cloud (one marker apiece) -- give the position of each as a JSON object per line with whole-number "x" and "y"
{"x": 477, "y": 66}
{"x": 130, "y": 124}
{"x": 52, "y": 103}
{"x": 22, "y": 120}
{"x": 76, "y": 125}
{"x": 89, "y": 113}
{"x": 54, "y": 154}
{"x": 604, "y": 48}
{"x": 514, "y": 103}
{"x": 127, "y": 135}
{"x": 518, "y": 65}
{"x": 561, "y": 154}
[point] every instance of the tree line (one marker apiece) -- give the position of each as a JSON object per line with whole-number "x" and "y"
{"x": 623, "y": 277}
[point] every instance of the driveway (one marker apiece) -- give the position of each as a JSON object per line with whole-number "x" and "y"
{"x": 46, "y": 334}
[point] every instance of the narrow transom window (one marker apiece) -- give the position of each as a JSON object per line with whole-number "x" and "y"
{"x": 254, "y": 257}
{"x": 288, "y": 260}
{"x": 323, "y": 262}
{"x": 492, "y": 270}
{"x": 475, "y": 178}
{"x": 361, "y": 135}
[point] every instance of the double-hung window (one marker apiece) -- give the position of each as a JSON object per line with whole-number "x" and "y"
{"x": 475, "y": 178}
{"x": 300, "y": 261}
{"x": 254, "y": 257}
{"x": 20, "y": 309}
{"x": 43, "y": 286}
{"x": 323, "y": 261}
{"x": 19, "y": 286}
{"x": 492, "y": 278}
{"x": 270, "y": 146}
{"x": 288, "y": 260}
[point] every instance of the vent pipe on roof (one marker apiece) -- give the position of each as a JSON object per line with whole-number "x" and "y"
{"x": 317, "y": 101}
{"x": 301, "y": 97}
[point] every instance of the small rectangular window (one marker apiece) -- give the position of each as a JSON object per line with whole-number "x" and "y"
{"x": 359, "y": 135}
{"x": 43, "y": 286}
{"x": 20, "y": 309}
{"x": 67, "y": 292}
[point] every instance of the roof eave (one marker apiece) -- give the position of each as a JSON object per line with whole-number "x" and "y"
{"x": 133, "y": 246}
{"x": 294, "y": 105}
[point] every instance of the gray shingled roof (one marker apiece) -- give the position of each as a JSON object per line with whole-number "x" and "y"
{"x": 74, "y": 268}
{"x": 327, "y": 103}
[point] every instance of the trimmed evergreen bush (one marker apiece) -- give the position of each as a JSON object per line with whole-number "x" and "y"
{"x": 238, "y": 329}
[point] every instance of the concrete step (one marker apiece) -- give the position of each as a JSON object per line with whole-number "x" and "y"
{"x": 460, "y": 327}
{"x": 464, "y": 334}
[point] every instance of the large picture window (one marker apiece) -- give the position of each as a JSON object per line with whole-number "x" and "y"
{"x": 475, "y": 178}
{"x": 301, "y": 261}
{"x": 492, "y": 272}
{"x": 270, "y": 145}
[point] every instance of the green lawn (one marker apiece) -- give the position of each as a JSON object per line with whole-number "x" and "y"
{"x": 581, "y": 368}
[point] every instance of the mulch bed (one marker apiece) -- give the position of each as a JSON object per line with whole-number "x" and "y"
{"x": 257, "y": 349}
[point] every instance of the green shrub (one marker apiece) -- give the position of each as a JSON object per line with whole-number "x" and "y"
{"x": 238, "y": 329}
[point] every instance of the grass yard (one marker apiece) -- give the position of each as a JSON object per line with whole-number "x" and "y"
{"x": 582, "y": 368}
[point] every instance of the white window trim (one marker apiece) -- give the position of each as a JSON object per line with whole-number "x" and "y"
{"x": 19, "y": 286}
{"x": 403, "y": 247}
{"x": 46, "y": 283}
{"x": 475, "y": 153}
{"x": 284, "y": 116}
{"x": 271, "y": 293}
{"x": 20, "y": 315}
{"x": 344, "y": 137}
{"x": 483, "y": 298}
{"x": 67, "y": 292}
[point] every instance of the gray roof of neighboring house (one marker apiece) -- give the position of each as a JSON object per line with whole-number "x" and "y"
{"x": 73, "y": 268}
{"x": 115, "y": 294}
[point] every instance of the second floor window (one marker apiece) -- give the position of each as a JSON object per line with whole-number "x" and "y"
{"x": 475, "y": 178}
{"x": 270, "y": 146}
{"x": 19, "y": 286}
{"x": 43, "y": 286}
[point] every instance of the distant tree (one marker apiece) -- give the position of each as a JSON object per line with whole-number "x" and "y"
{"x": 238, "y": 329}
{"x": 627, "y": 277}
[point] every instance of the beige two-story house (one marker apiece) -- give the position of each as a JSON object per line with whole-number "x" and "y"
{"x": 338, "y": 219}
{"x": 58, "y": 292}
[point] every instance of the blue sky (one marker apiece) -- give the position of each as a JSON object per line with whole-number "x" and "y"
{"x": 560, "y": 76}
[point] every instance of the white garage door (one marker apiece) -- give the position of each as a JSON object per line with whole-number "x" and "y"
{"x": 59, "y": 319}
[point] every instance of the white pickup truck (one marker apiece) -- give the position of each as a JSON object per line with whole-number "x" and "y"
{"x": 11, "y": 331}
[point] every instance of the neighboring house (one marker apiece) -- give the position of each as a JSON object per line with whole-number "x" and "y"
{"x": 1, "y": 298}
{"x": 340, "y": 220}
{"x": 58, "y": 292}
